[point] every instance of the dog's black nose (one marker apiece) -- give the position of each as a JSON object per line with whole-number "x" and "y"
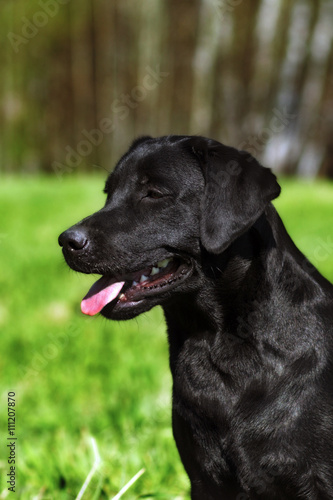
{"x": 73, "y": 240}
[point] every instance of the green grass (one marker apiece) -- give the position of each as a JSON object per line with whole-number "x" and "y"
{"x": 76, "y": 377}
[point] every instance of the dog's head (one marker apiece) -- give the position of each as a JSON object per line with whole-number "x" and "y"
{"x": 168, "y": 199}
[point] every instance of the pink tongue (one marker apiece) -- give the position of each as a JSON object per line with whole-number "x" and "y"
{"x": 99, "y": 295}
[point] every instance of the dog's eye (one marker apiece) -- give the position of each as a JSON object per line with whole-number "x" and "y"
{"x": 154, "y": 194}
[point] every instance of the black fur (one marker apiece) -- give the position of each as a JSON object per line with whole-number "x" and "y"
{"x": 250, "y": 328}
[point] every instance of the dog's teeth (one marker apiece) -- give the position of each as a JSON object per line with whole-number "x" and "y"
{"x": 135, "y": 283}
{"x": 163, "y": 263}
{"x": 122, "y": 296}
{"x": 154, "y": 271}
{"x": 143, "y": 278}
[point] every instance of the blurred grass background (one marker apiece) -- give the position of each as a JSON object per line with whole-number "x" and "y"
{"x": 76, "y": 377}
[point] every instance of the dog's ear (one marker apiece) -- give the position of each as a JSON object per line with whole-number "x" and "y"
{"x": 237, "y": 190}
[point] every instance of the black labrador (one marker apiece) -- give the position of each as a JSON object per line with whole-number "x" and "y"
{"x": 188, "y": 224}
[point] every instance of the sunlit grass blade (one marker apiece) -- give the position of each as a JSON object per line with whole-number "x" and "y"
{"x": 96, "y": 464}
{"x": 129, "y": 484}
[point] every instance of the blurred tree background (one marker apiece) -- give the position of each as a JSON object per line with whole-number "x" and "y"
{"x": 81, "y": 78}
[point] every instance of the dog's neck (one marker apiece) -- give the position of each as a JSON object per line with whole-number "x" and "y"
{"x": 223, "y": 281}
{"x": 234, "y": 283}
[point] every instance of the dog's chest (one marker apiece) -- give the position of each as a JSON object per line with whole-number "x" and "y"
{"x": 202, "y": 417}
{"x": 206, "y": 409}
{"x": 200, "y": 392}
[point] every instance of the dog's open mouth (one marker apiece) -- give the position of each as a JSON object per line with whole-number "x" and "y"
{"x": 135, "y": 287}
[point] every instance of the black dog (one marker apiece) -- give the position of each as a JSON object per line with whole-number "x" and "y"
{"x": 188, "y": 224}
